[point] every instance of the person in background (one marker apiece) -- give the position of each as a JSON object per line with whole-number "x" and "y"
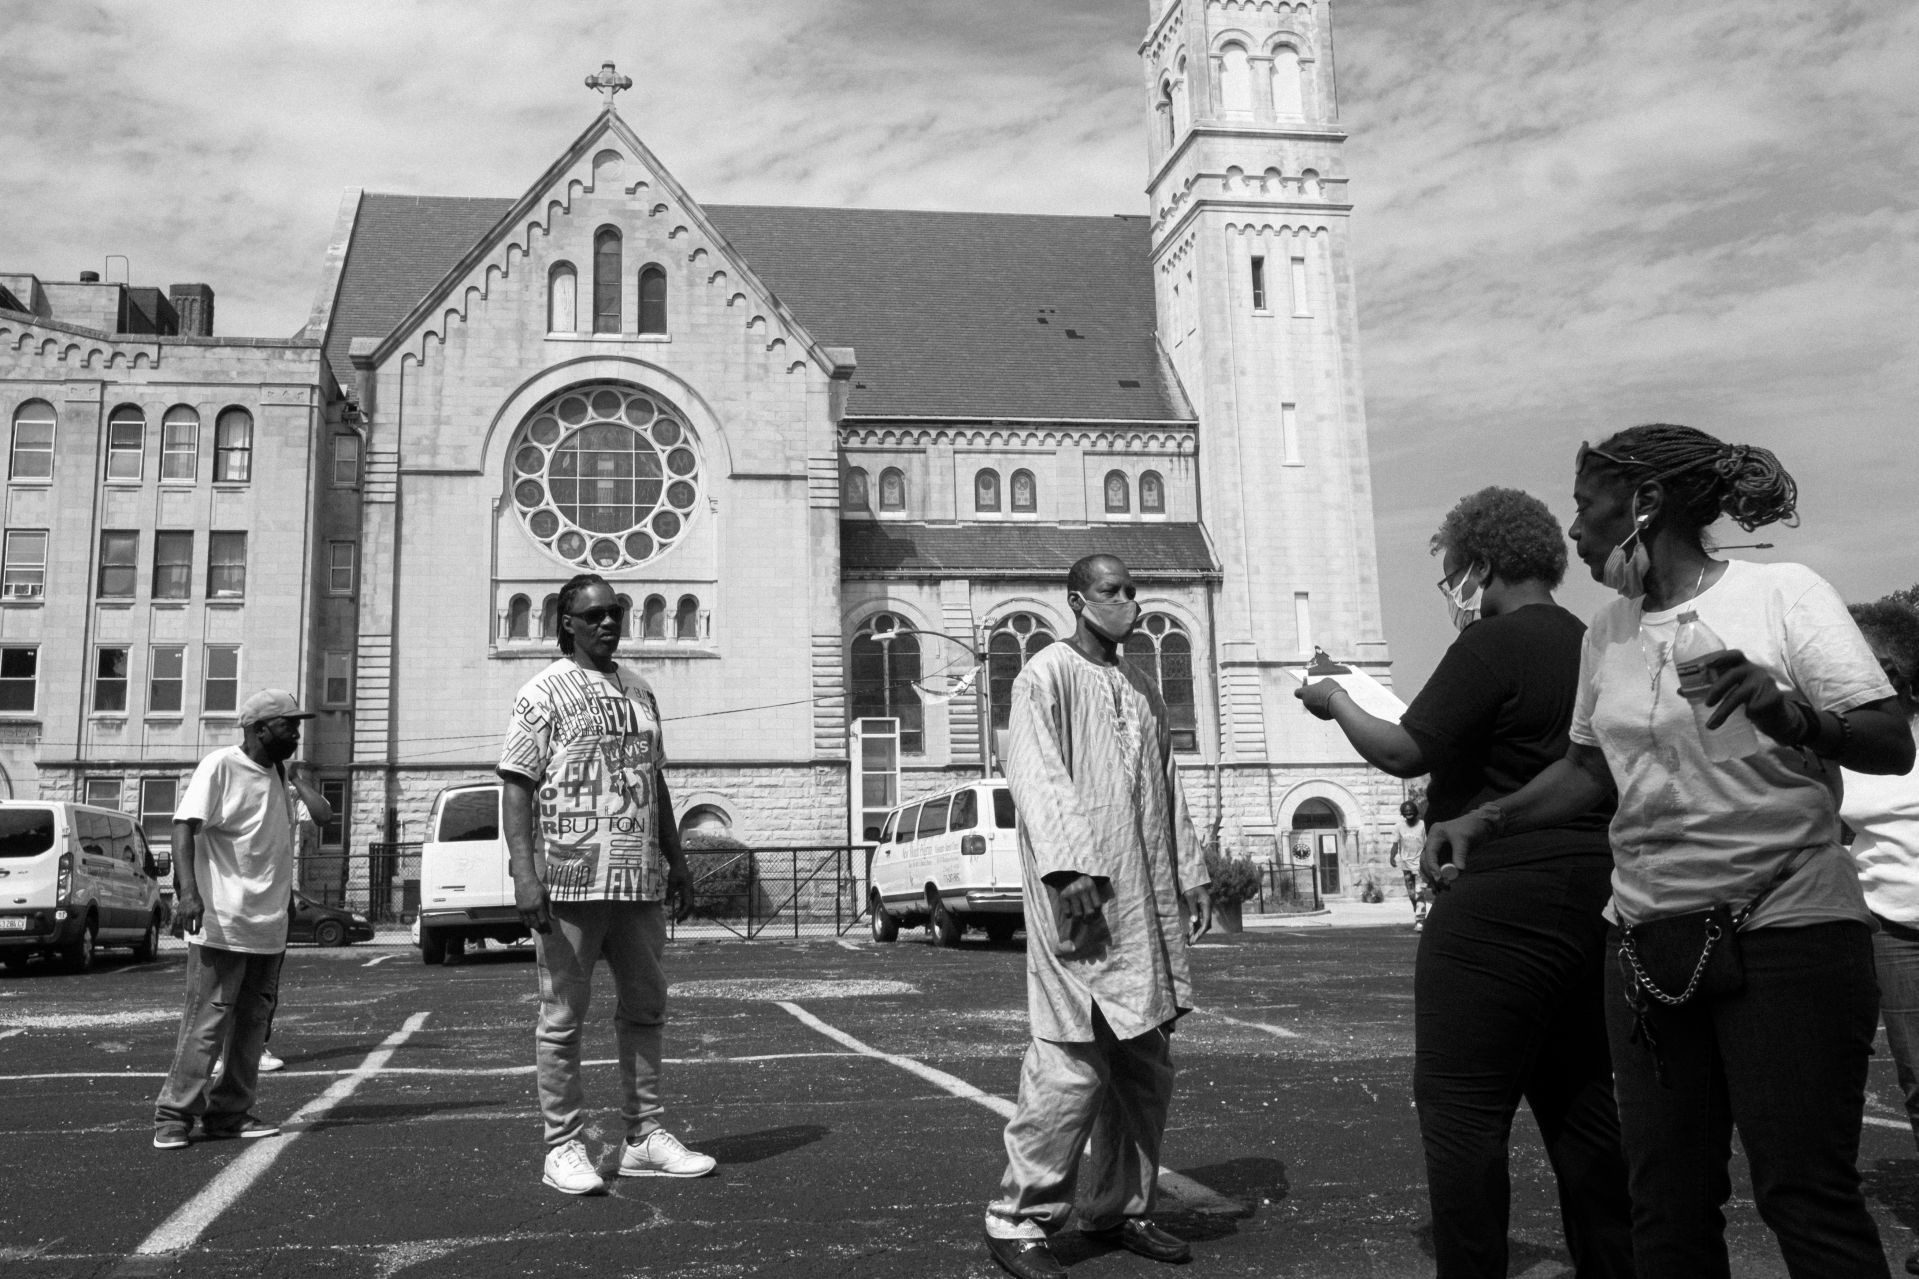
{"x": 233, "y": 853}
{"x": 1508, "y": 985}
{"x": 584, "y": 752}
{"x": 1111, "y": 864}
{"x": 1777, "y": 1046}
{"x": 1409, "y": 842}
{"x": 1883, "y": 812}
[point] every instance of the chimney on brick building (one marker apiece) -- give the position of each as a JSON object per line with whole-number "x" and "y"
{"x": 193, "y": 305}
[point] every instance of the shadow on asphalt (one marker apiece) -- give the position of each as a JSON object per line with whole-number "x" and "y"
{"x": 1521, "y": 1256}
{"x": 1247, "y": 1182}
{"x": 768, "y": 1143}
{"x": 392, "y": 1112}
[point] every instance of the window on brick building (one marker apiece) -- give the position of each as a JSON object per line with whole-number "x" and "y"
{"x": 220, "y": 693}
{"x": 1017, "y": 640}
{"x": 653, "y": 618}
{"x": 562, "y": 299}
{"x": 19, "y": 679}
{"x": 686, "y": 618}
{"x": 606, "y": 280}
{"x": 519, "y": 617}
{"x": 653, "y": 300}
{"x": 342, "y": 560}
{"x": 346, "y": 460}
{"x": 166, "y": 679}
{"x": 172, "y": 564}
{"x": 119, "y": 563}
{"x": 1161, "y": 648}
{"x": 180, "y": 444}
{"x": 233, "y": 447}
{"x": 986, "y": 490}
{"x": 885, "y": 671}
{"x": 110, "y": 680}
{"x": 1025, "y": 493}
{"x": 550, "y": 617}
{"x": 892, "y": 489}
{"x": 1152, "y": 494}
{"x": 226, "y": 566}
{"x": 159, "y": 796}
{"x": 1119, "y": 500}
{"x": 126, "y": 443}
{"x": 102, "y": 792}
{"x": 334, "y": 791}
{"x": 32, "y": 441}
{"x": 337, "y": 687}
{"x": 854, "y": 493}
{"x": 25, "y": 574}
{"x": 1259, "y": 284}
{"x": 627, "y": 620}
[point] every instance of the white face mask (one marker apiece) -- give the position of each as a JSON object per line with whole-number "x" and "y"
{"x": 1625, "y": 571}
{"x": 1464, "y": 609}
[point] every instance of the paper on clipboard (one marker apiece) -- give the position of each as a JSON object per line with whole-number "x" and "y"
{"x": 1371, "y": 696}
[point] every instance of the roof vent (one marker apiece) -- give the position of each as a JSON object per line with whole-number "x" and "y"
{"x": 1043, "y": 320}
{"x": 1075, "y": 333}
{"x": 1130, "y": 384}
{"x": 89, "y": 277}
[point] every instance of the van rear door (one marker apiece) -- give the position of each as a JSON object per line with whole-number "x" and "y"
{"x": 1003, "y": 839}
{"x": 463, "y": 864}
{"x": 30, "y": 849}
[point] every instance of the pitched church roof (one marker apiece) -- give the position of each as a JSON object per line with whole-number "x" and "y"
{"x": 951, "y": 315}
{"x": 1160, "y": 552}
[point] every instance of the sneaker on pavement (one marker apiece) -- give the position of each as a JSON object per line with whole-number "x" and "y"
{"x": 570, "y": 1172}
{"x": 169, "y": 1136}
{"x": 660, "y": 1154}
{"x": 247, "y": 1129}
{"x": 269, "y": 1063}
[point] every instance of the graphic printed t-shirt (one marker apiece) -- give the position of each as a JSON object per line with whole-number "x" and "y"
{"x": 1493, "y": 716}
{"x": 243, "y": 858}
{"x": 592, "y": 744}
{"x": 1691, "y": 833}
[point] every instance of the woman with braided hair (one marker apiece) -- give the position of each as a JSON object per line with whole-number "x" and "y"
{"x": 1740, "y": 987}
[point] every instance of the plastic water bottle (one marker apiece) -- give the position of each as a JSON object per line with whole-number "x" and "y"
{"x": 1734, "y": 739}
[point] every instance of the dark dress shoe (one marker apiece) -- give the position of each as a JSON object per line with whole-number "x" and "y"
{"x": 1136, "y": 1234}
{"x": 1025, "y": 1258}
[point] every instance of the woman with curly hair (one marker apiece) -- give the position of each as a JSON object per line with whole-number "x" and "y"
{"x": 1740, "y": 988}
{"x": 1508, "y": 982}
{"x": 1883, "y": 813}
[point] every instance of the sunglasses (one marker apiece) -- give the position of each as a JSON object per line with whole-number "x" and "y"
{"x": 1587, "y": 450}
{"x": 615, "y": 613}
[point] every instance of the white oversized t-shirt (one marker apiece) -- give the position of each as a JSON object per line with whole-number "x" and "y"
{"x": 592, "y": 743}
{"x": 1884, "y": 815}
{"x": 243, "y": 858}
{"x": 1691, "y": 833}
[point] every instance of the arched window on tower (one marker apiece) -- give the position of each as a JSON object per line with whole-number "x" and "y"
{"x": 885, "y": 669}
{"x": 653, "y": 299}
{"x": 686, "y": 619}
{"x": 1163, "y": 650}
{"x": 986, "y": 489}
{"x": 892, "y": 489}
{"x": 1289, "y": 98}
{"x": 1309, "y": 187}
{"x": 519, "y": 617}
{"x": 562, "y": 299}
{"x": 1182, "y": 98}
{"x": 1164, "y": 110}
{"x": 1152, "y": 494}
{"x": 606, "y": 280}
{"x": 1235, "y": 81}
{"x": 550, "y": 617}
{"x": 1118, "y": 494}
{"x": 653, "y": 618}
{"x": 1025, "y": 493}
{"x": 1017, "y": 640}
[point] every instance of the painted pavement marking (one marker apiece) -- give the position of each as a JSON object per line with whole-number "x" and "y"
{"x": 452, "y": 1071}
{"x": 378, "y": 959}
{"x": 9, "y": 1034}
{"x": 1876, "y": 1122}
{"x": 1183, "y": 1188}
{"x": 180, "y": 1231}
{"x": 1277, "y": 1032}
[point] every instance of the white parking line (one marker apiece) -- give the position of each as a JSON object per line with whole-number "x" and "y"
{"x": 190, "y": 1219}
{"x": 9, "y": 1034}
{"x": 1876, "y": 1122}
{"x": 850, "y": 945}
{"x": 1277, "y": 1032}
{"x": 457, "y": 1071}
{"x": 378, "y": 959}
{"x": 1195, "y": 1196}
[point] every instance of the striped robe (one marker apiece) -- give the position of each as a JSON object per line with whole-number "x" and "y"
{"x": 1090, "y": 763}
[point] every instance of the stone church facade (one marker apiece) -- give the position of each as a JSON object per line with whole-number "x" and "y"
{"x": 838, "y": 461}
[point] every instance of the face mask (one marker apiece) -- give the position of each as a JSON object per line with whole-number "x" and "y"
{"x": 1625, "y": 571}
{"x": 1111, "y": 622}
{"x": 1463, "y": 609}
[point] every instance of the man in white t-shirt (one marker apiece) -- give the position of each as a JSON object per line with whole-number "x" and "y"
{"x": 1409, "y": 842}
{"x": 233, "y": 843}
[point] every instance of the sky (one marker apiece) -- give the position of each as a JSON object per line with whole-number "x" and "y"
{"x": 1569, "y": 217}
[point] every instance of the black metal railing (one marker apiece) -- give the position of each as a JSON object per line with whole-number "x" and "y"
{"x": 381, "y": 881}
{"x": 1288, "y": 890}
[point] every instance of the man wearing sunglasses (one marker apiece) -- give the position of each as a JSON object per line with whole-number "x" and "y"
{"x": 583, "y": 751}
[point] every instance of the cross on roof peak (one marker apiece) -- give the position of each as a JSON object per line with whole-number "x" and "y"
{"x": 609, "y": 82}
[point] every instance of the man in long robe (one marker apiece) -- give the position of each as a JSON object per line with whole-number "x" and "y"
{"x": 1113, "y": 872}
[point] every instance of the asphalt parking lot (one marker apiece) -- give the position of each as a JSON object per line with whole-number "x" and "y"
{"x": 852, "y": 1092}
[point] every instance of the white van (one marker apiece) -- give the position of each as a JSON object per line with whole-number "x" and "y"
{"x": 950, "y": 862}
{"x": 466, "y": 892}
{"x": 74, "y": 878}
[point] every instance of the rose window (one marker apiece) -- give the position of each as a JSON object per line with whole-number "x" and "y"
{"x": 605, "y": 476}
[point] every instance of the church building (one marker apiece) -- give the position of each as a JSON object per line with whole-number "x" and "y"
{"x": 836, "y": 460}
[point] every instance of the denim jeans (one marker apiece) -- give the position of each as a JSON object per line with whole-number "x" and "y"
{"x": 1507, "y": 993}
{"x": 1785, "y": 1061}
{"x": 1895, "y": 958}
{"x": 229, "y": 1005}
{"x": 630, "y": 936}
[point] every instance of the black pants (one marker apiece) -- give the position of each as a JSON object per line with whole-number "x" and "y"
{"x": 1785, "y": 1060}
{"x": 1508, "y": 992}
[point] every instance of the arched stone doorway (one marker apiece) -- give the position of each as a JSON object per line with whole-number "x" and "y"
{"x": 1316, "y": 838}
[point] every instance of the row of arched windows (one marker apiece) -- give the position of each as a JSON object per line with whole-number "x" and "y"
{"x": 653, "y": 621}
{"x": 563, "y": 291}
{"x": 885, "y": 674}
{"x": 1020, "y": 493}
{"x": 1240, "y": 89}
{"x": 34, "y": 423}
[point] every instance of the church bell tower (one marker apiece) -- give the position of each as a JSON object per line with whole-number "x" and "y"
{"x": 1254, "y": 285}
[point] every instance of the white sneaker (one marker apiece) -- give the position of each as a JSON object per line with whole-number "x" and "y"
{"x": 269, "y": 1063}
{"x": 570, "y": 1172}
{"x": 660, "y": 1154}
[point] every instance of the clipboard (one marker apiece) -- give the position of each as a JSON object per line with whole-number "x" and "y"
{"x": 1367, "y": 693}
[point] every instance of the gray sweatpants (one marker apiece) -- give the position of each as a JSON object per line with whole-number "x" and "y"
{"x": 229, "y": 1007}
{"x": 631, "y": 937}
{"x": 1115, "y": 1092}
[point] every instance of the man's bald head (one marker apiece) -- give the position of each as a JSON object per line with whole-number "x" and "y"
{"x": 1088, "y": 568}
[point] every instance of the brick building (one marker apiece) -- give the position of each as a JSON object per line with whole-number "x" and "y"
{"x": 837, "y": 459}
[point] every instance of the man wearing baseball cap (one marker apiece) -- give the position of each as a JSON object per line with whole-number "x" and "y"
{"x": 233, "y": 842}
